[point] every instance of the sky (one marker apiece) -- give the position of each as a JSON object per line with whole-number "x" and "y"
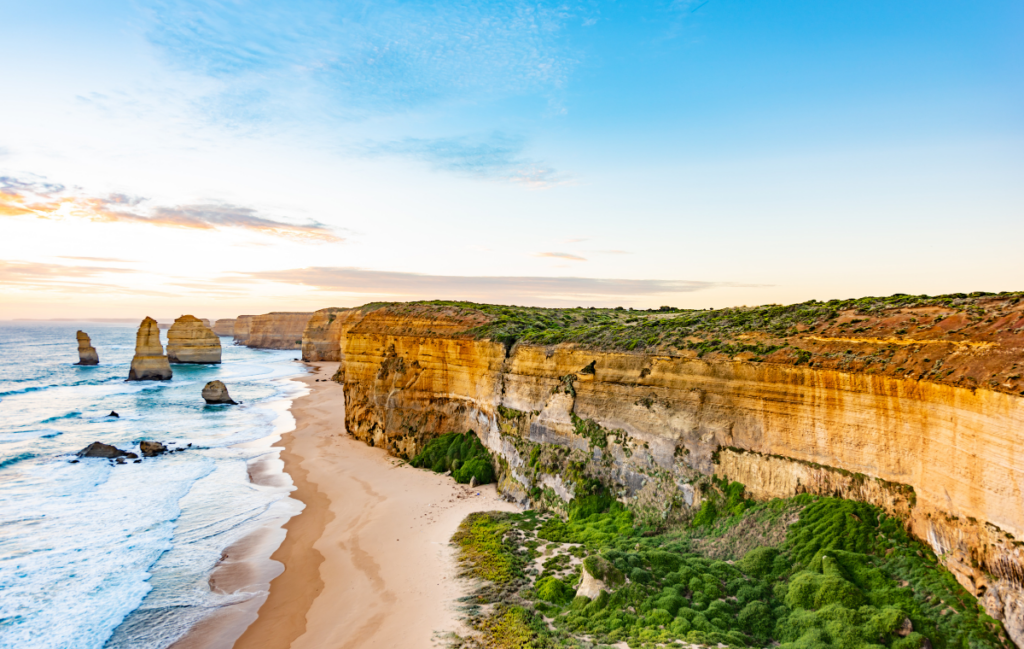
{"x": 224, "y": 157}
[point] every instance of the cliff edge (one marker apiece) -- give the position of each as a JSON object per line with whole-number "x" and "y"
{"x": 911, "y": 403}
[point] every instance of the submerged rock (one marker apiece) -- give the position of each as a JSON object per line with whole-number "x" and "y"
{"x": 99, "y": 449}
{"x": 189, "y": 340}
{"x": 86, "y": 352}
{"x": 152, "y": 449}
{"x": 216, "y": 392}
{"x": 149, "y": 363}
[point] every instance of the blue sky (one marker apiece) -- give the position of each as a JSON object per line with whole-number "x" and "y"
{"x": 704, "y": 153}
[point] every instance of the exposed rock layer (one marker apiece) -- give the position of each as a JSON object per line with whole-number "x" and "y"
{"x": 190, "y": 341}
{"x": 321, "y": 340}
{"x": 949, "y": 459}
{"x": 240, "y": 331}
{"x": 86, "y": 353}
{"x": 224, "y": 327}
{"x": 279, "y": 330}
{"x": 149, "y": 362}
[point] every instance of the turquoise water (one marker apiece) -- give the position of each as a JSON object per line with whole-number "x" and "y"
{"x": 94, "y": 554}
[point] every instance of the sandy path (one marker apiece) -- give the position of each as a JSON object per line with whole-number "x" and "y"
{"x": 367, "y": 563}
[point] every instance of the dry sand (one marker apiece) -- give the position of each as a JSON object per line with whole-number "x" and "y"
{"x": 368, "y": 562}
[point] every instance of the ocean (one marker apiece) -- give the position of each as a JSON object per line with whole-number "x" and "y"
{"x": 94, "y": 554}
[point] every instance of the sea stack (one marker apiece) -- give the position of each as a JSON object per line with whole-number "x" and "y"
{"x": 216, "y": 392}
{"x": 86, "y": 352}
{"x": 190, "y": 341}
{"x": 149, "y": 363}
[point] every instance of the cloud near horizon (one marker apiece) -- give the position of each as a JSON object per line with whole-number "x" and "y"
{"x": 561, "y": 255}
{"x": 510, "y": 289}
{"x": 45, "y": 200}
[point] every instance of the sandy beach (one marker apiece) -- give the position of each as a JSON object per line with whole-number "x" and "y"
{"x": 368, "y": 562}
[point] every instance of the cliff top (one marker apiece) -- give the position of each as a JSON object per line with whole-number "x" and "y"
{"x": 969, "y": 340}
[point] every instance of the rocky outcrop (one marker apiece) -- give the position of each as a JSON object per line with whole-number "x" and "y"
{"x": 278, "y": 330}
{"x": 224, "y": 327}
{"x": 947, "y": 457}
{"x": 216, "y": 392}
{"x": 86, "y": 352}
{"x": 106, "y": 451}
{"x": 149, "y": 362}
{"x": 190, "y": 341}
{"x": 321, "y": 340}
{"x": 152, "y": 449}
{"x": 240, "y": 331}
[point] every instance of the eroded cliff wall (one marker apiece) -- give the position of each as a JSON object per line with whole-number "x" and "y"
{"x": 321, "y": 340}
{"x": 224, "y": 327}
{"x": 948, "y": 458}
{"x": 240, "y": 329}
{"x": 277, "y": 330}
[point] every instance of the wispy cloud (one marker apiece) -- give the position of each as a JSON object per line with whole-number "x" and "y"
{"x": 560, "y": 255}
{"x": 614, "y": 252}
{"x": 521, "y": 290}
{"x": 497, "y": 157}
{"x": 385, "y": 55}
{"x": 101, "y": 259}
{"x": 46, "y": 200}
{"x": 64, "y": 279}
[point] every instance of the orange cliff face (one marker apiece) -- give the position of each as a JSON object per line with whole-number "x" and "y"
{"x": 948, "y": 457}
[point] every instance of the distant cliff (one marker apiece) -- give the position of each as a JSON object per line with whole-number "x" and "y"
{"x": 278, "y": 330}
{"x": 911, "y": 403}
{"x": 224, "y": 327}
{"x": 321, "y": 340}
{"x": 240, "y": 331}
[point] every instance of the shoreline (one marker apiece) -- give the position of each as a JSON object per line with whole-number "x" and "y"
{"x": 367, "y": 562}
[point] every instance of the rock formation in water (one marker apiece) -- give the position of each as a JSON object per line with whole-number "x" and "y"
{"x": 106, "y": 451}
{"x": 279, "y": 330}
{"x": 149, "y": 363}
{"x": 216, "y": 392}
{"x": 224, "y": 327}
{"x": 190, "y": 341}
{"x": 321, "y": 341}
{"x": 152, "y": 449}
{"x": 913, "y": 404}
{"x": 240, "y": 330}
{"x": 86, "y": 352}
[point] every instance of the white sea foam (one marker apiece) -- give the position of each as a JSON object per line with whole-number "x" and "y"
{"x": 95, "y": 554}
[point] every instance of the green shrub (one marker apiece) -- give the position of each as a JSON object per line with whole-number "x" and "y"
{"x": 461, "y": 453}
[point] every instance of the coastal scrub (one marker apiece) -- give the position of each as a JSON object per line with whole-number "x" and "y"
{"x": 461, "y": 453}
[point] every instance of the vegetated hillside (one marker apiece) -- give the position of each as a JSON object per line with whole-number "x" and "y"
{"x": 971, "y": 340}
{"x": 798, "y": 572}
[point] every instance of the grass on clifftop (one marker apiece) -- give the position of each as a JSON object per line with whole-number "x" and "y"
{"x": 626, "y": 329}
{"x": 845, "y": 575}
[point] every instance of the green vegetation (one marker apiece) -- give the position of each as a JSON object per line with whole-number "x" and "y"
{"x": 461, "y": 453}
{"x": 702, "y": 331}
{"x": 842, "y": 574}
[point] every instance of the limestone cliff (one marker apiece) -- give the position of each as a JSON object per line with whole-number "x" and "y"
{"x": 925, "y": 422}
{"x": 149, "y": 362}
{"x": 86, "y": 352}
{"x": 321, "y": 341}
{"x": 240, "y": 331}
{"x": 278, "y": 330}
{"x": 224, "y": 327}
{"x": 190, "y": 341}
